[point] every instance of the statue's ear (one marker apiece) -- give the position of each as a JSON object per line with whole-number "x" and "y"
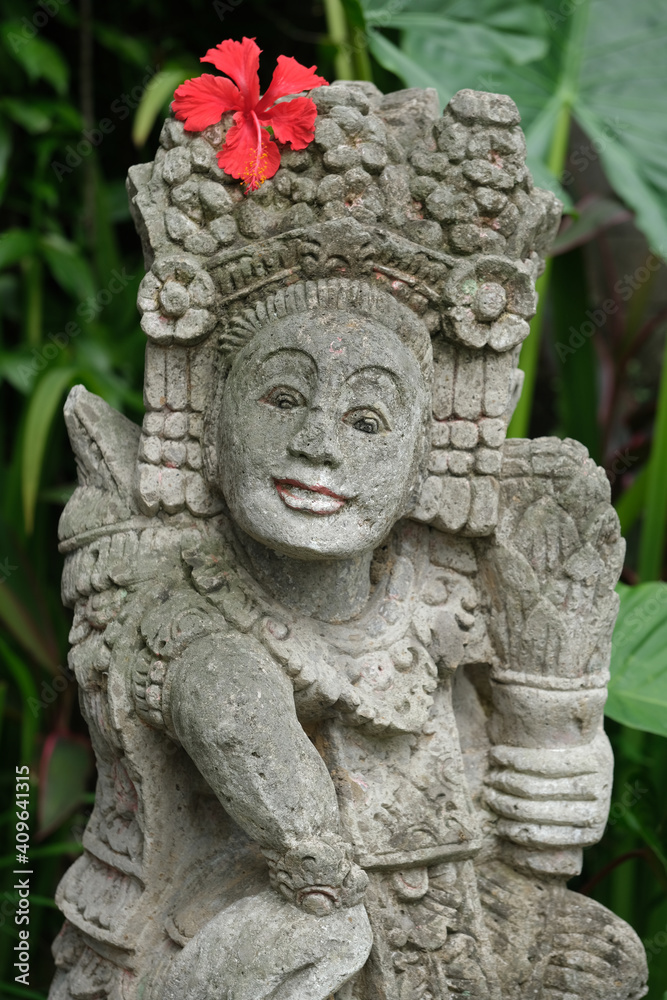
{"x": 105, "y": 444}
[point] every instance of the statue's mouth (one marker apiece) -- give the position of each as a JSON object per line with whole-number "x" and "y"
{"x": 313, "y": 499}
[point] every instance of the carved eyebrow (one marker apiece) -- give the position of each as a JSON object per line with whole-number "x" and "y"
{"x": 377, "y": 370}
{"x": 288, "y": 350}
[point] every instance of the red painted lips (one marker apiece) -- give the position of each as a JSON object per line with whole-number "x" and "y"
{"x": 312, "y": 499}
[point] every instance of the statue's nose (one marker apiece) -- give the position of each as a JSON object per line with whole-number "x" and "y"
{"x": 316, "y": 440}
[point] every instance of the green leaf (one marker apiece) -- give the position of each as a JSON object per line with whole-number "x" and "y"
{"x": 41, "y": 411}
{"x": 155, "y": 100}
{"x": 395, "y": 60}
{"x": 22, "y": 677}
{"x": 17, "y": 620}
{"x": 16, "y": 244}
{"x": 128, "y": 48}
{"x": 22, "y": 992}
{"x": 39, "y": 58}
{"x": 24, "y": 610}
{"x": 630, "y": 504}
{"x": 516, "y": 47}
{"x": 59, "y": 495}
{"x": 64, "y": 769}
{"x": 605, "y": 67}
{"x": 30, "y": 117}
{"x": 638, "y": 685}
{"x": 68, "y": 266}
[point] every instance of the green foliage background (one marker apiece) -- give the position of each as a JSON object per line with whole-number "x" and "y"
{"x": 83, "y": 91}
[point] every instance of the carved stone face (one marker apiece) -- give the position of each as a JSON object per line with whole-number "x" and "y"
{"x": 320, "y": 434}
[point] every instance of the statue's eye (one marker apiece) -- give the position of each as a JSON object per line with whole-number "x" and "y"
{"x": 366, "y": 421}
{"x": 284, "y": 398}
{"x": 368, "y": 425}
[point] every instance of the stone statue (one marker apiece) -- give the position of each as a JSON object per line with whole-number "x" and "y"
{"x": 342, "y": 648}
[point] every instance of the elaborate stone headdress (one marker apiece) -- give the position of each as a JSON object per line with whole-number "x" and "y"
{"x": 438, "y": 212}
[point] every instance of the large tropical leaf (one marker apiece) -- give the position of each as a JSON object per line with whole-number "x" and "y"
{"x": 605, "y": 67}
{"x": 638, "y": 686}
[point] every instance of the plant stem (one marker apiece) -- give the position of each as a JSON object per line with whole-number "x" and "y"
{"x": 337, "y": 28}
{"x": 631, "y": 502}
{"x": 652, "y": 544}
{"x": 29, "y": 696}
{"x": 569, "y": 83}
{"x": 520, "y": 422}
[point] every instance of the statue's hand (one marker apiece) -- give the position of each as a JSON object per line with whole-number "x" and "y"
{"x": 317, "y": 875}
{"x": 548, "y": 798}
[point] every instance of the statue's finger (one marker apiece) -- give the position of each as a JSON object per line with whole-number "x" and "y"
{"x": 526, "y": 786}
{"x": 559, "y": 813}
{"x": 540, "y": 836}
{"x": 554, "y": 763}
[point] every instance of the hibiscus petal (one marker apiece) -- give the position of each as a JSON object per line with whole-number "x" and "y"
{"x": 290, "y": 77}
{"x": 293, "y": 121}
{"x": 203, "y": 101}
{"x": 240, "y": 60}
{"x": 240, "y": 156}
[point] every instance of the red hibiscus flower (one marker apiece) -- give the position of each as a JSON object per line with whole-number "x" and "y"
{"x": 249, "y": 152}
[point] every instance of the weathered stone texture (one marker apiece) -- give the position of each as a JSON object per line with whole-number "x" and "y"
{"x": 342, "y": 648}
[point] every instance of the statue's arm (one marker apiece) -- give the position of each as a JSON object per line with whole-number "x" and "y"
{"x": 550, "y": 579}
{"x": 232, "y": 709}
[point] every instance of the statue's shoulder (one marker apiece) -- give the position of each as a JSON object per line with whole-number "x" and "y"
{"x": 109, "y": 542}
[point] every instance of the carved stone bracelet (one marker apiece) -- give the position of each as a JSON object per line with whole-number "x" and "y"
{"x": 317, "y": 875}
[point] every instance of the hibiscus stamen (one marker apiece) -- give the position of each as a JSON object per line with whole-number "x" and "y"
{"x": 254, "y": 176}
{"x": 246, "y": 153}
